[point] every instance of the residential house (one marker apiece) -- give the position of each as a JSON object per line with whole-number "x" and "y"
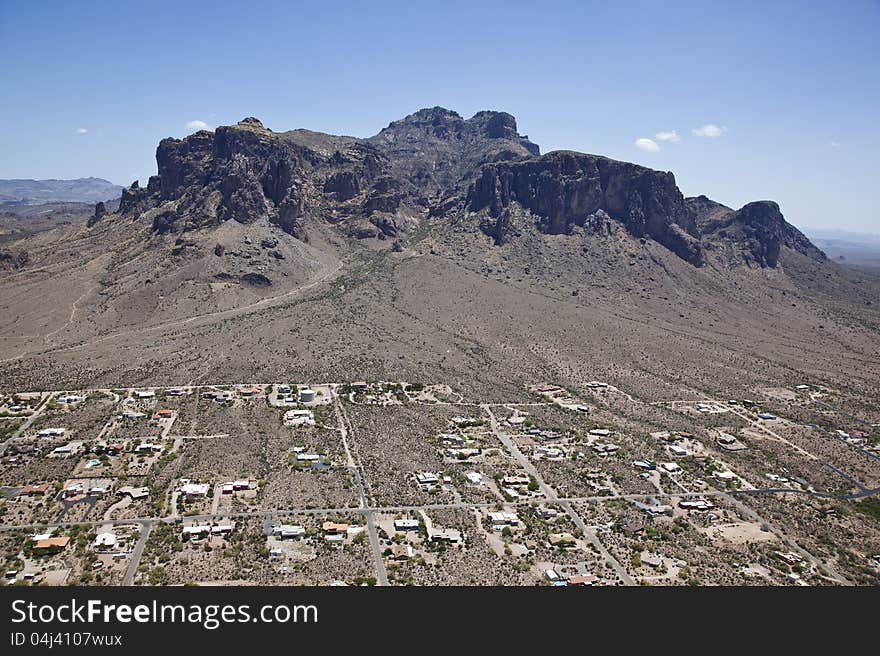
{"x": 52, "y": 544}
{"x": 406, "y": 525}
{"x": 285, "y": 531}
{"x": 401, "y": 552}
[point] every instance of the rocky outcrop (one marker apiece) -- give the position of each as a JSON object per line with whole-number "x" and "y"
{"x": 501, "y": 125}
{"x": 246, "y": 172}
{"x": 385, "y": 196}
{"x": 134, "y": 200}
{"x": 256, "y": 280}
{"x": 250, "y": 279}
{"x": 436, "y": 149}
{"x": 184, "y": 162}
{"x": 757, "y": 231}
{"x": 499, "y": 226}
{"x": 164, "y": 223}
{"x": 759, "y": 226}
{"x": 13, "y": 259}
{"x": 100, "y": 212}
{"x": 706, "y": 212}
{"x": 243, "y": 194}
{"x": 563, "y": 189}
{"x": 344, "y": 185}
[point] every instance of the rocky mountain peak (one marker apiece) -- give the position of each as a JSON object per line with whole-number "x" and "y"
{"x": 445, "y": 124}
{"x": 755, "y": 233}
{"x": 501, "y": 125}
{"x": 250, "y": 121}
{"x": 437, "y": 150}
{"x": 437, "y": 122}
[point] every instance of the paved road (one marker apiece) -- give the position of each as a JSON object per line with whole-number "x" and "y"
{"x": 360, "y": 510}
{"x": 863, "y": 491}
{"x": 548, "y": 492}
{"x": 760, "y": 425}
{"x": 344, "y": 427}
{"x": 368, "y": 511}
{"x": 146, "y": 528}
{"x": 27, "y": 422}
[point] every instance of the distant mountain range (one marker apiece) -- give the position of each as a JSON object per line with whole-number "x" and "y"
{"x": 856, "y": 249}
{"x": 38, "y": 192}
{"x": 868, "y": 239}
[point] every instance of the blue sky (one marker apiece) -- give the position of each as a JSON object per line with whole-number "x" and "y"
{"x": 791, "y": 88}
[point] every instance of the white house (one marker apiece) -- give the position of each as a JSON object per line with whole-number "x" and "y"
{"x": 195, "y": 489}
{"x": 105, "y": 541}
{"x": 288, "y": 531}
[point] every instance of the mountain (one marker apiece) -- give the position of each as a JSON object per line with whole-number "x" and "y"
{"x": 754, "y": 234}
{"x": 441, "y": 248}
{"x": 376, "y": 187}
{"x": 437, "y": 163}
{"x": 38, "y": 192}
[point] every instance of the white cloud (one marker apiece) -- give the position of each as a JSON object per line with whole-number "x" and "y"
{"x": 81, "y": 130}
{"x": 197, "y": 125}
{"x": 835, "y": 144}
{"x": 647, "y": 144}
{"x": 672, "y": 135}
{"x": 710, "y": 131}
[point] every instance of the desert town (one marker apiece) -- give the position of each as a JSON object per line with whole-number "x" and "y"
{"x": 393, "y": 483}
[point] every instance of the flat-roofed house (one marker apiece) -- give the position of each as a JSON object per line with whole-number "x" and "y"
{"x": 199, "y": 530}
{"x": 427, "y": 479}
{"x": 406, "y": 525}
{"x": 195, "y": 489}
{"x": 288, "y": 531}
{"x": 105, "y": 541}
{"x": 583, "y": 579}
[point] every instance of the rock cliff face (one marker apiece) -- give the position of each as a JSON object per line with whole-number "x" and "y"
{"x": 563, "y": 189}
{"x": 480, "y": 171}
{"x": 757, "y": 231}
{"x": 246, "y": 172}
{"x": 375, "y": 187}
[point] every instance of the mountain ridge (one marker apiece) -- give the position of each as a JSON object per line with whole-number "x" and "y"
{"x": 435, "y": 163}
